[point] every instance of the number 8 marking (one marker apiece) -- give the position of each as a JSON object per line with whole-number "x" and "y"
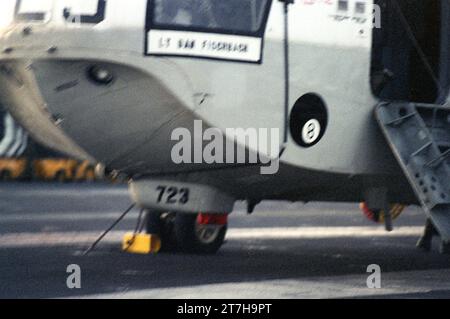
{"x": 311, "y": 131}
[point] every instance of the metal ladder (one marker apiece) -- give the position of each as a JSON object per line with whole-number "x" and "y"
{"x": 419, "y": 136}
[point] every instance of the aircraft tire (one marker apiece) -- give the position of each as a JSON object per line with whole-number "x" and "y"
{"x": 60, "y": 177}
{"x": 166, "y": 233}
{"x": 192, "y": 238}
{"x": 5, "y": 176}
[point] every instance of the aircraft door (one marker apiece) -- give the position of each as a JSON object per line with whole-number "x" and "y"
{"x": 233, "y": 51}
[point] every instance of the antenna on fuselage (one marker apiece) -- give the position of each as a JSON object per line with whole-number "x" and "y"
{"x": 286, "y": 73}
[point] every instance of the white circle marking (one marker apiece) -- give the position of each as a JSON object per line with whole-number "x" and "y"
{"x": 311, "y": 131}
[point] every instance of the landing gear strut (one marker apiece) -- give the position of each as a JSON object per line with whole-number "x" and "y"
{"x": 190, "y": 233}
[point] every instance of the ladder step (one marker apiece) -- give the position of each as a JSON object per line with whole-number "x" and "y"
{"x": 438, "y": 161}
{"x": 401, "y": 120}
{"x": 422, "y": 152}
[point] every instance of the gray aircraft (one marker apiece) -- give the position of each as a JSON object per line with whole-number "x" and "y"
{"x": 202, "y": 103}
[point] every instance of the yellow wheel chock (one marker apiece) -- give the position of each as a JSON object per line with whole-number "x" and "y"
{"x": 141, "y": 243}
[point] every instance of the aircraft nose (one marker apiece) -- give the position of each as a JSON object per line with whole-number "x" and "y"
{"x": 20, "y": 94}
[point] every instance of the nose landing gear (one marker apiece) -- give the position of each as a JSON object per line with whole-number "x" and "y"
{"x": 189, "y": 233}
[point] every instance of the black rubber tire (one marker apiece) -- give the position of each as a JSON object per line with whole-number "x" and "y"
{"x": 166, "y": 233}
{"x": 187, "y": 239}
{"x": 5, "y": 176}
{"x": 60, "y": 177}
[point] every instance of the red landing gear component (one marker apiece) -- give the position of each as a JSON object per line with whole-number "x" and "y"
{"x": 202, "y": 234}
{"x": 191, "y": 233}
{"x": 378, "y": 216}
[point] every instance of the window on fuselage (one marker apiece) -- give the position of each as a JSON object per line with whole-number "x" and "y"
{"x": 221, "y": 16}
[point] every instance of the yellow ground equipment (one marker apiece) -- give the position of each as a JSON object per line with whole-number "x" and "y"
{"x": 12, "y": 168}
{"x": 141, "y": 243}
{"x": 85, "y": 172}
{"x": 54, "y": 169}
